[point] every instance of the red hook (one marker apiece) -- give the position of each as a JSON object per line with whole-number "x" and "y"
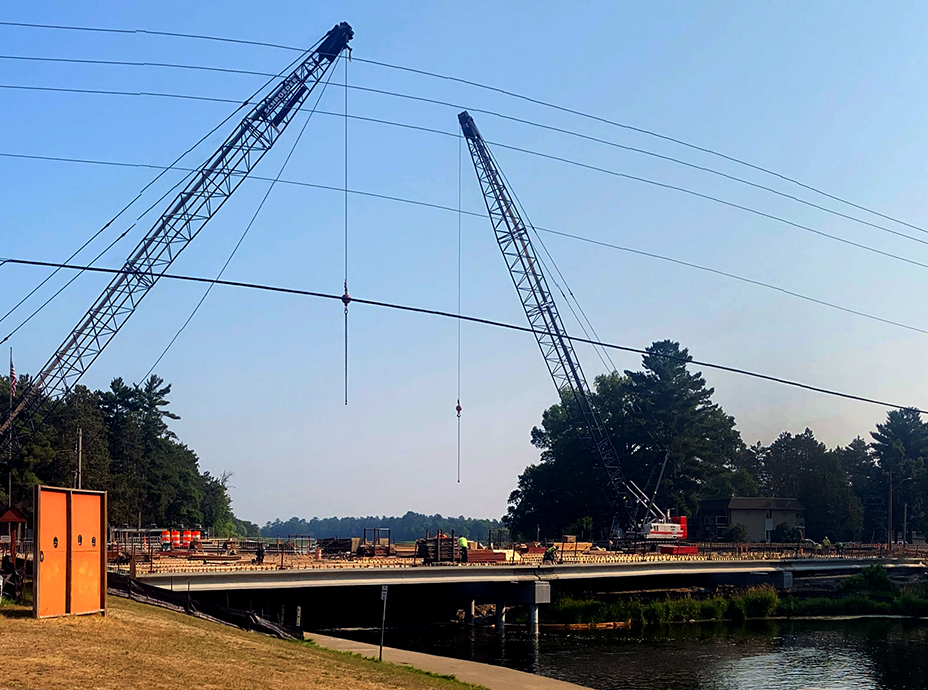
{"x": 459, "y": 408}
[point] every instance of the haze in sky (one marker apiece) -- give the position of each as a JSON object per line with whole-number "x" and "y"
{"x": 831, "y": 94}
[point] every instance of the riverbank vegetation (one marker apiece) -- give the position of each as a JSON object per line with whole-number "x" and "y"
{"x": 870, "y": 593}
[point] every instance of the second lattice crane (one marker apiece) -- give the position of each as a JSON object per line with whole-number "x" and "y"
{"x": 628, "y": 499}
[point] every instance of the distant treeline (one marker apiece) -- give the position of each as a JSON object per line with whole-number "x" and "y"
{"x": 410, "y": 527}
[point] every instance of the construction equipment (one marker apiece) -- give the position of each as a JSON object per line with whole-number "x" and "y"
{"x": 206, "y": 191}
{"x": 557, "y": 349}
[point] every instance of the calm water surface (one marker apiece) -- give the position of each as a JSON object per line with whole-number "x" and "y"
{"x": 834, "y": 655}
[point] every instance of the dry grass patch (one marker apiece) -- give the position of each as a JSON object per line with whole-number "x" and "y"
{"x": 141, "y": 646}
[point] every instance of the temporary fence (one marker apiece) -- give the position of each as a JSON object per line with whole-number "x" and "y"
{"x": 123, "y": 586}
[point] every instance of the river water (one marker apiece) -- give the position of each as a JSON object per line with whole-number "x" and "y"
{"x": 882, "y": 654}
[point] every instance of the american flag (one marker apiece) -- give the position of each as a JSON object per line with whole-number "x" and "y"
{"x": 12, "y": 377}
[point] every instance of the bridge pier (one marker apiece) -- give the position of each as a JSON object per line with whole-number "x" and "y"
{"x": 500, "y": 616}
{"x": 533, "y": 619}
{"x": 469, "y": 612}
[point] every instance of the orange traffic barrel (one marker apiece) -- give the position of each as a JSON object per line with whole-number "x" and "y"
{"x": 175, "y": 539}
{"x": 186, "y": 538}
{"x": 196, "y": 535}
{"x": 165, "y": 538}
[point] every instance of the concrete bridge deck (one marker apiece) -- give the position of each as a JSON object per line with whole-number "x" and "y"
{"x": 217, "y": 581}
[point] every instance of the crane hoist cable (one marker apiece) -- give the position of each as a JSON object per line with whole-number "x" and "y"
{"x": 208, "y": 189}
{"x": 346, "y": 297}
{"x": 458, "y": 407}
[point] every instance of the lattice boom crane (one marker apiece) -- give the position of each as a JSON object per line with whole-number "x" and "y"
{"x": 556, "y": 348}
{"x": 207, "y": 190}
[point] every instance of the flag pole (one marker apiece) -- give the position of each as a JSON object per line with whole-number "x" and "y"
{"x": 9, "y": 450}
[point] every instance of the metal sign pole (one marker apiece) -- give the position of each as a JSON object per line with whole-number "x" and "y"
{"x": 383, "y": 622}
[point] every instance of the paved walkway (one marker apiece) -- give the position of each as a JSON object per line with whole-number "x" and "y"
{"x": 493, "y": 677}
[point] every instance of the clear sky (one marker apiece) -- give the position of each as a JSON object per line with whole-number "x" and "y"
{"x": 831, "y": 93}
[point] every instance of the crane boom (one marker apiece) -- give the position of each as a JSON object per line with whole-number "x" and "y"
{"x": 556, "y": 348}
{"x": 208, "y": 188}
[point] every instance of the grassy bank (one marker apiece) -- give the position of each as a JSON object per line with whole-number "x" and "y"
{"x": 140, "y": 646}
{"x": 870, "y": 593}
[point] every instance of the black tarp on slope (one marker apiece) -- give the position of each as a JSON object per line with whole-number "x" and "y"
{"x": 124, "y": 586}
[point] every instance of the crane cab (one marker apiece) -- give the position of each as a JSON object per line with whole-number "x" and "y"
{"x": 671, "y": 528}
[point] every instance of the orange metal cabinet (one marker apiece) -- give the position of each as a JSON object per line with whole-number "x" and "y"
{"x": 51, "y": 593}
{"x": 87, "y": 577}
{"x": 70, "y": 558}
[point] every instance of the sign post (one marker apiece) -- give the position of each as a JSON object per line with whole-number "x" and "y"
{"x": 383, "y": 622}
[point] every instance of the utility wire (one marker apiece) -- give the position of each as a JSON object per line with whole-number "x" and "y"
{"x": 476, "y": 214}
{"x": 505, "y": 92}
{"x": 531, "y": 123}
{"x": 561, "y": 159}
{"x": 243, "y": 235}
{"x": 473, "y": 319}
{"x": 602, "y": 354}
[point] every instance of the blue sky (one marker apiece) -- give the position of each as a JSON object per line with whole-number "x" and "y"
{"x": 831, "y": 94}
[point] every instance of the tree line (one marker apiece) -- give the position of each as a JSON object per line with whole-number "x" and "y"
{"x": 127, "y": 449}
{"x": 409, "y": 527}
{"x": 663, "y": 416}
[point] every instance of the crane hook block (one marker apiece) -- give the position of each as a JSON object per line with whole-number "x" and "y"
{"x": 458, "y": 408}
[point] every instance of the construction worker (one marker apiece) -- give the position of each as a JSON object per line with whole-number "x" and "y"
{"x": 462, "y": 542}
{"x": 259, "y": 554}
{"x": 826, "y": 545}
{"x": 550, "y": 555}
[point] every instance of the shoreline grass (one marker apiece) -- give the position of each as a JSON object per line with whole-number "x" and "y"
{"x": 141, "y": 646}
{"x": 870, "y": 593}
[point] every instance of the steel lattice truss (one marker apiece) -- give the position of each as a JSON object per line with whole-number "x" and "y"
{"x": 543, "y": 316}
{"x": 206, "y": 191}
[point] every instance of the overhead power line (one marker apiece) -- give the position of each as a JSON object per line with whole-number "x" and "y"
{"x": 561, "y": 159}
{"x": 471, "y": 319}
{"x": 520, "y": 120}
{"x": 476, "y": 214}
{"x": 125, "y": 208}
{"x": 505, "y": 92}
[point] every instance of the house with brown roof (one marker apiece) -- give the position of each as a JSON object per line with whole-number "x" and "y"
{"x": 760, "y": 517}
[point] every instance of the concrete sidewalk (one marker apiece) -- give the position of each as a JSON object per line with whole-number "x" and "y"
{"x": 493, "y": 677}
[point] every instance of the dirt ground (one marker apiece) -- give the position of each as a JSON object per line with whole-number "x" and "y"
{"x": 141, "y": 646}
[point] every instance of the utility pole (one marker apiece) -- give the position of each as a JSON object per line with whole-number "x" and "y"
{"x": 889, "y": 528}
{"x": 80, "y": 443}
{"x": 9, "y": 452}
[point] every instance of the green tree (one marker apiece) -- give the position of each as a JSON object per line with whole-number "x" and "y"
{"x": 217, "y": 506}
{"x": 785, "y": 534}
{"x": 801, "y": 467}
{"x": 900, "y": 445}
{"x": 662, "y": 411}
{"x": 867, "y": 481}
